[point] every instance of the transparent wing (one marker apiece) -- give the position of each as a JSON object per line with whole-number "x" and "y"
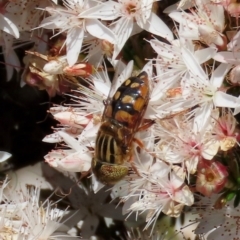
{"x": 122, "y": 72}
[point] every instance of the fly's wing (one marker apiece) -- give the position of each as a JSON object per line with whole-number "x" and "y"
{"x": 122, "y": 72}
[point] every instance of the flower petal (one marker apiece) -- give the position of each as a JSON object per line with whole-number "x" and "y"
{"x": 74, "y": 44}
{"x": 8, "y": 26}
{"x": 205, "y": 54}
{"x": 222, "y": 99}
{"x": 97, "y": 29}
{"x": 105, "y": 11}
{"x": 4, "y": 156}
{"x": 227, "y": 57}
{"x": 219, "y": 74}
{"x": 156, "y": 26}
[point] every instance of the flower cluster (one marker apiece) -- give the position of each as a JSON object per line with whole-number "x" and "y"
{"x": 188, "y": 142}
{"x": 23, "y": 217}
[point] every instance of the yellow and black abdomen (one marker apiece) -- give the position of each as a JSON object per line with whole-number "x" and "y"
{"x": 108, "y": 144}
{"x": 109, "y": 158}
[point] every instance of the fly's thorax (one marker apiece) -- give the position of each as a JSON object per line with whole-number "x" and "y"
{"x": 130, "y": 101}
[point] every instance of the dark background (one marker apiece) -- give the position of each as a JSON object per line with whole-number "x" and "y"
{"x": 24, "y": 120}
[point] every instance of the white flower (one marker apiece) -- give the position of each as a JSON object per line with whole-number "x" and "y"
{"x": 232, "y": 54}
{"x": 98, "y": 48}
{"x": 171, "y": 68}
{"x": 22, "y": 217}
{"x": 197, "y": 89}
{"x": 205, "y": 24}
{"x": 139, "y": 11}
{"x": 24, "y": 13}
{"x": 76, "y": 159}
{"x": 217, "y": 223}
{"x": 168, "y": 194}
{"x": 183, "y": 143}
{"x": 76, "y": 19}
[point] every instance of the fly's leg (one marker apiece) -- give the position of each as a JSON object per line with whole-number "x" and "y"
{"x": 144, "y": 127}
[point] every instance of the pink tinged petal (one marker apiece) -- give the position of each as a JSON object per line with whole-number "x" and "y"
{"x": 53, "y": 22}
{"x": 192, "y": 165}
{"x": 171, "y": 8}
{"x": 126, "y": 73}
{"x": 210, "y": 149}
{"x": 219, "y": 74}
{"x": 174, "y": 183}
{"x": 122, "y": 72}
{"x": 123, "y": 29}
{"x": 76, "y": 162}
{"x": 105, "y": 11}
{"x": 210, "y": 36}
{"x": 147, "y": 6}
{"x": 237, "y": 108}
{"x": 202, "y": 117}
{"x": 234, "y": 45}
{"x": 52, "y": 138}
{"x": 179, "y": 5}
{"x": 164, "y": 50}
{"x": 205, "y": 54}
{"x": 192, "y": 64}
{"x": 72, "y": 142}
{"x": 54, "y": 67}
{"x": 188, "y": 28}
{"x": 222, "y": 99}
{"x": 101, "y": 86}
{"x": 184, "y": 196}
{"x": 228, "y": 57}
{"x": 74, "y": 44}
{"x": 8, "y": 26}
{"x": 159, "y": 170}
{"x": 98, "y": 30}
{"x": 179, "y": 17}
{"x": 161, "y": 87}
{"x": 89, "y": 133}
{"x": 72, "y": 119}
{"x": 4, "y": 156}
{"x": 54, "y": 157}
{"x": 156, "y": 26}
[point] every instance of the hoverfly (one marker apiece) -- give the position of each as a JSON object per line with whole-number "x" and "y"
{"x": 121, "y": 120}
